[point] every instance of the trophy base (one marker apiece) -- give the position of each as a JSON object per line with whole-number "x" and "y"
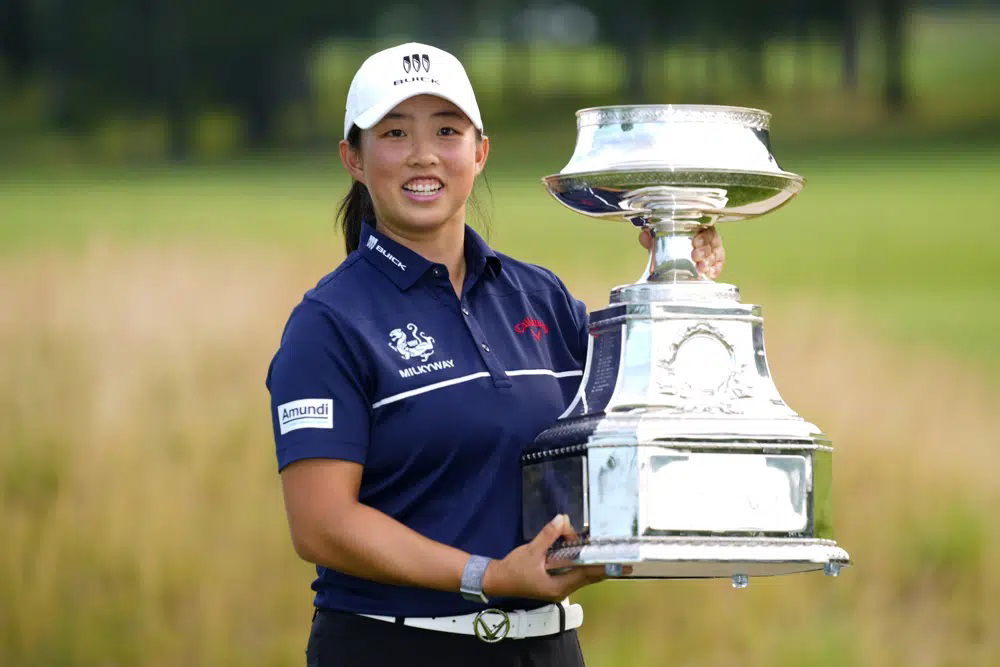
{"x": 678, "y": 458}
{"x": 686, "y": 557}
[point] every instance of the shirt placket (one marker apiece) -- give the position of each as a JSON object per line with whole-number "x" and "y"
{"x": 472, "y": 324}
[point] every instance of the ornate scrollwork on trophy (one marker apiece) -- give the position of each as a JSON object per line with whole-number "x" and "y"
{"x": 701, "y": 374}
{"x": 673, "y": 113}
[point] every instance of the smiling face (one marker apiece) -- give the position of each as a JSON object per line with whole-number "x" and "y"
{"x": 419, "y": 164}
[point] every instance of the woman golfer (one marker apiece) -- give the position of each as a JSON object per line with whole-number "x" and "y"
{"x": 405, "y": 386}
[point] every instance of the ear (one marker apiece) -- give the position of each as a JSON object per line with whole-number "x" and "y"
{"x": 352, "y": 161}
{"x": 482, "y": 152}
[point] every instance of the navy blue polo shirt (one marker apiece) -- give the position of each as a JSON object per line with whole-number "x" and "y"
{"x": 435, "y": 395}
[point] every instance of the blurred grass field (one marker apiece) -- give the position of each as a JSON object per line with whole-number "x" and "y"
{"x": 905, "y": 233}
{"x": 142, "y": 515}
{"x": 143, "y": 522}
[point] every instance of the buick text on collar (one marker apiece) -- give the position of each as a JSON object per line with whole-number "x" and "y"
{"x": 389, "y": 256}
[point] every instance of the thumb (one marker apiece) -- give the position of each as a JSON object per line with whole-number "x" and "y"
{"x": 549, "y": 533}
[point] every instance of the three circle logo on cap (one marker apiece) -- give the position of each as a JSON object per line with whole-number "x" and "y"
{"x": 416, "y": 62}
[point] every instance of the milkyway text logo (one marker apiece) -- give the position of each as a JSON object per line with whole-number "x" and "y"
{"x": 371, "y": 242}
{"x": 416, "y": 63}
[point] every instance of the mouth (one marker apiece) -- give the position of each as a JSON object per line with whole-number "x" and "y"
{"x": 423, "y": 188}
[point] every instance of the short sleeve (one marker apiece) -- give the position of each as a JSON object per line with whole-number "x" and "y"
{"x": 579, "y": 338}
{"x": 319, "y": 405}
{"x": 583, "y": 320}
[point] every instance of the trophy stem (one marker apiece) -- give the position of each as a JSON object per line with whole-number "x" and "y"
{"x": 670, "y": 254}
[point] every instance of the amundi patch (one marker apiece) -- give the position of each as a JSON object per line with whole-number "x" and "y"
{"x": 305, "y": 413}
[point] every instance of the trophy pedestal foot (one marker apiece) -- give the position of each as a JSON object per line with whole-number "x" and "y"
{"x": 706, "y": 557}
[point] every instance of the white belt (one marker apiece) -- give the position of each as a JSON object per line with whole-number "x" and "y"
{"x": 492, "y": 625}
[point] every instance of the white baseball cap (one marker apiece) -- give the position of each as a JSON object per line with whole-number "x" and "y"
{"x": 388, "y": 77}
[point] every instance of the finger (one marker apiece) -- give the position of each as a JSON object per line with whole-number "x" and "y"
{"x": 567, "y": 528}
{"x": 716, "y": 238}
{"x": 594, "y": 575}
{"x": 699, "y": 239}
{"x": 569, "y": 532}
{"x": 645, "y": 238}
{"x": 563, "y": 564}
{"x": 699, "y": 254}
{"x": 583, "y": 571}
{"x": 595, "y": 571}
{"x": 576, "y": 578}
{"x": 549, "y": 533}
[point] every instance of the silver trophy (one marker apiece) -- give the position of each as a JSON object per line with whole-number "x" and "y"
{"x": 678, "y": 457}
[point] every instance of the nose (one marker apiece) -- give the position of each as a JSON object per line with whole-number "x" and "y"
{"x": 422, "y": 153}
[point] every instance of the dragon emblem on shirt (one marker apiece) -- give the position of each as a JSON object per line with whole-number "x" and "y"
{"x": 417, "y": 344}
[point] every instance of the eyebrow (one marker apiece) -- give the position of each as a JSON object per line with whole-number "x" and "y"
{"x": 449, "y": 114}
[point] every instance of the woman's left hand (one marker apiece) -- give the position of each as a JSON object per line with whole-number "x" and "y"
{"x": 708, "y": 254}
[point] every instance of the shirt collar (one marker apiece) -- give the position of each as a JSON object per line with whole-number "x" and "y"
{"x": 404, "y": 267}
{"x": 478, "y": 254}
{"x": 399, "y": 263}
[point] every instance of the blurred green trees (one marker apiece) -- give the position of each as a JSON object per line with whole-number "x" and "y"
{"x": 173, "y": 59}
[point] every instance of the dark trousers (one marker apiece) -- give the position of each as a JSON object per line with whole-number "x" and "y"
{"x": 341, "y": 639}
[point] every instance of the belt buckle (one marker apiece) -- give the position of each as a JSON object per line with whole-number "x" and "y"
{"x": 491, "y": 625}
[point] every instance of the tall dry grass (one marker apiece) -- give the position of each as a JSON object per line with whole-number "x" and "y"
{"x": 141, "y": 518}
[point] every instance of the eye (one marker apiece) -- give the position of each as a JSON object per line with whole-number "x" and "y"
{"x": 395, "y": 132}
{"x": 448, "y": 131}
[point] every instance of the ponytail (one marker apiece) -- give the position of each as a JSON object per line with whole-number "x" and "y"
{"x": 357, "y": 205}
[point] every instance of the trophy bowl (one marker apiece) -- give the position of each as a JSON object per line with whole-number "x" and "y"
{"x": 678, "y": 457}
{"x": 699, "y": 164}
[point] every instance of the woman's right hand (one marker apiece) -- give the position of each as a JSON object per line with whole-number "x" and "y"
{"x": 523, "y": 572}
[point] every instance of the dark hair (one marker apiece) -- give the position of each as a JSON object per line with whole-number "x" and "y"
{"x": 357, "y": 206}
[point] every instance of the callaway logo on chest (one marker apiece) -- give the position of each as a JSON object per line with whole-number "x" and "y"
{"x": 532, "y": 325}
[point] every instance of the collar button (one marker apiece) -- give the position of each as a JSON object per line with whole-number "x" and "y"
{"x": 486, "y": 348}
